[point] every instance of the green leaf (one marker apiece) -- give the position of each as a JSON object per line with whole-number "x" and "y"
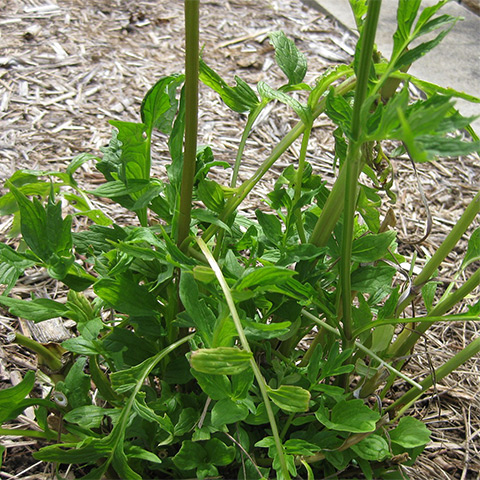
{"x": 419, "y": 51}
{"x": 372, "y": 279}
{"x": 473, "y": 249}
{"x": 258, "y": 331}
{"x": 372, "y": 247}
{"x": 264, "y": 276}
{"x": 76, "y": 385}
{"x": 117, "y": 188}
{"x": 349, "y": 416}
{"x": 340, "y": 111}
{"x": 292, "y": 62}
{"x": 13, "y": 395}
{"x": 43, "y": 229}
{"x": 202, "y": 317}
{"x": 221, "y": 360}
{"x": 446, "y": 146}
{"x": 240, "y": 98}
{"x": 89, "y": 416}
{"x": 186, "y": 422}
{"x": 12, "y": 265}
{"x": 35, "y": 310}
{"x": 269, "y": 93}
{"x": 298, "y": 446}
{"x": 217, "y": 387}
{"x": 241, "y": 383}
{"x": 159, "y": 105}
{"x": 227, "y": 411}
{"x": 126, "y": 296}
{"x": 190, "y": 455}
{"x": 290, "y": 398}
{"x": 373, "y": 448}
{"x": 271, "y": 226}
{"x": 211, "y": 194}
{"x": 218, "y": 453}
{"x": 410, "y": 433}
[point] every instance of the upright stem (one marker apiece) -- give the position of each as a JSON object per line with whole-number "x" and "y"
{"x": 192, "y": 8}
{"x": 246, "y": 346}
{"x": 353, "y": 162}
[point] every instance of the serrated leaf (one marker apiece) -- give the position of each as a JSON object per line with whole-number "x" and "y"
{"x": 36, "y": 310}
{"x": 292, "y": 62}
{"x": 240, "y": 98}
{"x": 340, "y": 111}
{"x": 372, "y": 247}
{"x": 126, "y": 296}
{"x": 290, "y": 398}
{"x": 221, "y": 360}
{"x": 269, "y": 93}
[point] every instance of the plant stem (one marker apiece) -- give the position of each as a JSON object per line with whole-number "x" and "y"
{"x": 280, "y": 148}
{"x": 191, "y": 118}
{"x": 459, "y": 359}
{"x": 444, "y": 249}
{"x": 298, "y": 182}
{"x": 243, "y": 340}
{"x": 352, "y": 163}
{"x": 53, "y": 362}
{"x": 407, "y": 338}
{"x": 252, "y": 116}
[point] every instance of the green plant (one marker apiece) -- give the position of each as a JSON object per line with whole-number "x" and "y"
{"x": 190, "y": 323}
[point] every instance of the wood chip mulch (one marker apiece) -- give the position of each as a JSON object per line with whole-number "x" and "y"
{"x": 68, "y": 66}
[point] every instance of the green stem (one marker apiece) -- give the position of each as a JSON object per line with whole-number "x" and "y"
{"x": 243, "y": 340}
{"x": 353, "y": 161}
{"x": 253, "y": 115}
{"x": 459, "y": 359}
{"x": 298, "y": 183}
{"x": 53, "y": 362}
{"x": 191, "y": 117}
{"x": 444, "y": 249}
{"x": 280, "y": 148}
{"x": 407, "y": 338}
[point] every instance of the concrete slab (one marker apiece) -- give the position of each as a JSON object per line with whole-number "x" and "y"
{"x": 454, "y": 63}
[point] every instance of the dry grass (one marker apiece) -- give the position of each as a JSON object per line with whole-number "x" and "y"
{"x": 68, "y": 66}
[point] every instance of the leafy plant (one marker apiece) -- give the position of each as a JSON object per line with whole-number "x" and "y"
{"x": 190, "y": 323}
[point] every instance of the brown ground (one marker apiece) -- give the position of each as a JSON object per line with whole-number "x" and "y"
{"x": 68, "y": 66}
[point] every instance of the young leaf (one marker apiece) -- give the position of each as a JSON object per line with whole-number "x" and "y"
{"x": 240, "y": 98}
{"x": 292, "y": 62}
{"x": 290, "y": 398}
{"x": 221, "y": 360}
{"x": 473, "y": 249}
{"x": 373, "y": 448}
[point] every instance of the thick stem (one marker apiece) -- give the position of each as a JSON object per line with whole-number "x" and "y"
{"x": 191, "y": 118}
{"x": 353, "y": 161}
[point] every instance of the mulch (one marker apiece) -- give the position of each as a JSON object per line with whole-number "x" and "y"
{"x": 69, "y": 66}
